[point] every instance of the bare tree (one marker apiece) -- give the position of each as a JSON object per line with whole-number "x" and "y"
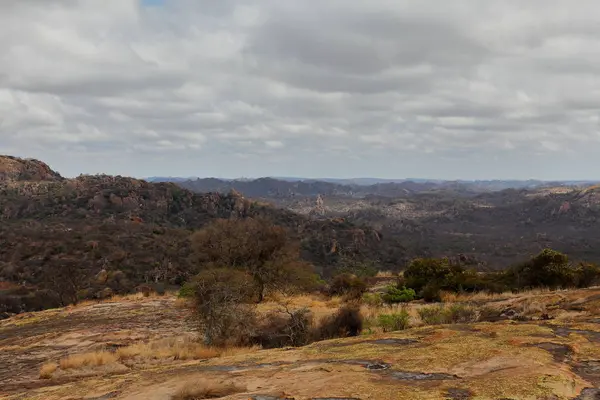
{"x": 262, "y": 249}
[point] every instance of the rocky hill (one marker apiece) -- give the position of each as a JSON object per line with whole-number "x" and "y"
{"x": 13, "y": 169}
{"x": 125, "y": 231}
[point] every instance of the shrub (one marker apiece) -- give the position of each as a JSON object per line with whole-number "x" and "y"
{"x": 431, "y": 293}
{"x": 285, "y": 328}
{"x": 453, "y": 314}
{"x": 460, "y": 314}
{"x": 433, "y": 315}
{"x": 223, "y": 306}
{"x": 394, "y": 322}
{"x": 187, "y": 290}
{"x": 395, "y": 294}
{"x": 346, "y": 322}
{"x": 372, "y": 299}
{"x": 422, "y": 272}
{"x": 349, "y": 286}
{"x": 47, "y": 370}
{"x": 587, "y": 275}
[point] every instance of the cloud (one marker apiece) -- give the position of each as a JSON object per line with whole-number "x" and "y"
{"x": 332, "y": 88}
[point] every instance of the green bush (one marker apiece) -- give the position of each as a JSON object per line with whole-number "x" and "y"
{"x": 394, "y": 322}
{"x": 395, "y": 294}
{"x": 187, "y": 290}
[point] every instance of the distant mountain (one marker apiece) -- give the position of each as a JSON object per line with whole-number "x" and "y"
{"x": 158, "y": 179}
{"x": 277, "y": 188}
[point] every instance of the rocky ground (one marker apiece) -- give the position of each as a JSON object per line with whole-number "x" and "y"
{"x": 553, "y": 355}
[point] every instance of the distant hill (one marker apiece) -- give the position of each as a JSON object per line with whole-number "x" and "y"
{"x": 495, "y": 222}
{"x": 276, "y": 188}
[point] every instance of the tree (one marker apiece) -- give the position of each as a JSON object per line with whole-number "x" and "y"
{"x": 549, "y": 268}
{"x": 258, "y": 247}
{"x": 67, "y": 279}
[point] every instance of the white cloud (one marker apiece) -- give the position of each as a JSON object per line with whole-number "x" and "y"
{"x": 274, "y": 144}
{"x": 373, "y": 88}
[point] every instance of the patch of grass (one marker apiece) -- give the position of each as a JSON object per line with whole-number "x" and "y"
{"x": 93, "y": 359}
{"x": 47, "y": 370}
{"x": 179, "y": 349}
{"x": 433, "y": 315}
{"x": 452, "y": 314}
{"x": 394, "y": 322}
{"x": 372, "y": 299}
{"x": 176, "y": 348}
{"x": 205, "y": 390}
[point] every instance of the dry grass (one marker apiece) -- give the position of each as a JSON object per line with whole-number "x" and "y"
{"x": 176, "y": 348}
{"x": 205, "y": 390}
{"x": 236, "y": 351}
{"x": 165, "y": 349}
{"x": 183, "y": 303}
{"x": 47, "y": 370}
{"x": 118, "y": 298}
{"x": 93, "y": 359}
{"x": 483, "y": 297}
{"x": 179, "y": 349}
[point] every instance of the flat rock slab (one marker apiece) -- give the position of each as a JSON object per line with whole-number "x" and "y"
{"x": 560, "y": 352}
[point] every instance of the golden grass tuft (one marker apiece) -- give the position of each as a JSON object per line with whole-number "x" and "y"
{"x": 483, "y": 297}
{"x": 47, "y": 370}
{"x": 93, "y": 359}
{"x": 237, "y": 351}
{"x": 205, "y": 390}
{"x": 178, "y": 349}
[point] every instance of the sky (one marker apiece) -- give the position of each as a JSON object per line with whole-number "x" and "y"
{"x": 331, "y": 88}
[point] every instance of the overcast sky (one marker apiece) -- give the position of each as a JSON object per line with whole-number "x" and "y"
{"x": 328, "y": 88}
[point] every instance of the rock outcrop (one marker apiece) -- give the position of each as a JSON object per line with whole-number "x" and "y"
{"x": 17, "y": 169}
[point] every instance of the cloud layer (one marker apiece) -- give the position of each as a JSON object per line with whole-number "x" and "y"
{"x": 461, "y": 89}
